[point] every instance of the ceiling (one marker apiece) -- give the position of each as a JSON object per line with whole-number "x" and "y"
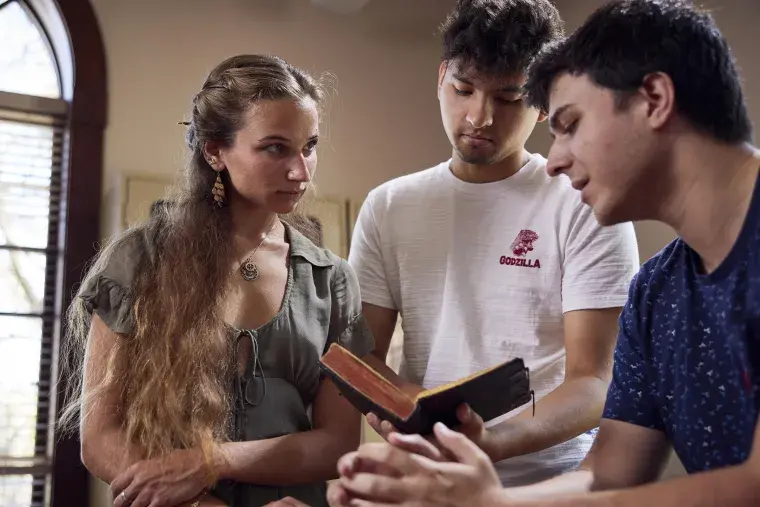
{"x": 390, "y": 9}
{"x": 341, "y": 6}
{"x": 407, "y": 19}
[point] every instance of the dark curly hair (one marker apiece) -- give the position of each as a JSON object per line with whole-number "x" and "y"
{"x": 625, "y": 40}
{"x": 499, "y": 37}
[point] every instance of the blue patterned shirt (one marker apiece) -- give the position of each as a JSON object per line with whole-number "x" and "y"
{"x": 687, "y": 361}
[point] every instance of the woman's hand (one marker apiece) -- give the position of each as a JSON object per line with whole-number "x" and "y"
{"x": 164, "y": 482}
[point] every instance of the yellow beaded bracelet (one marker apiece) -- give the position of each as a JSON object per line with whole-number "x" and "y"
{"x": 197, "y": 501}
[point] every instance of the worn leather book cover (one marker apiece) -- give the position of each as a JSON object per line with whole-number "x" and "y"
{"x": 490, "y": 393}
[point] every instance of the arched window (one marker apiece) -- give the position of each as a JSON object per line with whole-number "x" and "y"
{"x": 49, "y": 149}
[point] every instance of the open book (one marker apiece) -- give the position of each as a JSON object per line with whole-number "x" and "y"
{"x": 490, "y": 393}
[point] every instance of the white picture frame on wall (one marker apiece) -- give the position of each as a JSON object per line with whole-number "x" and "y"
{"x": 331, "y": 214}
{"x": 138, "y": 192}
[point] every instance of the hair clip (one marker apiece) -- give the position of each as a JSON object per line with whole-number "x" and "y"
{"x": 183, "y": 123}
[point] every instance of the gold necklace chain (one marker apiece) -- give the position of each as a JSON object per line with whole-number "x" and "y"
{"x": 248, "y": 269}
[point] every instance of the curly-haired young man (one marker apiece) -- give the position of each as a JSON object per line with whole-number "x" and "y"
{"x": 487, "y": 258}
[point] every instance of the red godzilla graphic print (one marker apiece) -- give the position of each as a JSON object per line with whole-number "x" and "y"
{"x": 521, "y": 246}
{"x": 523, "y": 243}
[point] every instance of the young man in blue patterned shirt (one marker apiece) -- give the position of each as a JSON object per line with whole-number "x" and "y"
{"x": 649, "y": 122}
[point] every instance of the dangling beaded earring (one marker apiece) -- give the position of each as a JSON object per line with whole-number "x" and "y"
{"x": 218, "y": 190}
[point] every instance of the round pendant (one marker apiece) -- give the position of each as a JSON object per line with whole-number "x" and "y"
{"x": 249, "y": 271}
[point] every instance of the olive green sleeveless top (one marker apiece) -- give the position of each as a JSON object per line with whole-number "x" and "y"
{"x": 273, "y": 397}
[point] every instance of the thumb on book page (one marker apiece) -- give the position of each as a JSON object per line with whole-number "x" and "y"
{"x": 462, "y": 448}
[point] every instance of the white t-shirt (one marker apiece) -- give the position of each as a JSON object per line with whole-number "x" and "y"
{"x": 482, "y": 273}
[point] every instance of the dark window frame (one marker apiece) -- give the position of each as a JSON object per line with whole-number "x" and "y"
{"x": 74, "y": 34}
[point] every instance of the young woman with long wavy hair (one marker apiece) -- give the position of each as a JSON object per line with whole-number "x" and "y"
{"x": 196, "y": 335}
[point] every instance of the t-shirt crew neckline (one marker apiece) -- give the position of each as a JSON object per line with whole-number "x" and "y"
{"x": 522, "y": 176}
{"x": 737, "y": 251}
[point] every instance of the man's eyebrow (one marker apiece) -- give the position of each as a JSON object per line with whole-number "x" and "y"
{"x": 554, "y": 119}
{"x": 462, "y": 78}
{"x": 511, "y": 89}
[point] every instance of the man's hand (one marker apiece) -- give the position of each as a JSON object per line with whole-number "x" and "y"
{"x": 470, "y": 425}
{"x": 384, "y": 428}
{"x": 411, "y": 443}
{"x": 384, "y": 474}
{"x": 287, "y": 502}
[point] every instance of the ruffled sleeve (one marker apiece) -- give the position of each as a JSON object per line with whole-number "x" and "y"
{"x": 107, "y": 291}
{"x": 348, "y": 326}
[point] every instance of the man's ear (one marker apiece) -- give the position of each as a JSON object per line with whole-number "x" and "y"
{"x": 442, "y": 68}
{"x": 659, "y": 95}
{"x": 542, "y": 116}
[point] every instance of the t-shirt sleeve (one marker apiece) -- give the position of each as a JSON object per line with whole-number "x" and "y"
{"x": 366, "y": 258}
{"x": 107, "y": 289}
{"x": 630, "y": 397}
{"x": 348, "y": 326}
{"x": 598, "y": 264}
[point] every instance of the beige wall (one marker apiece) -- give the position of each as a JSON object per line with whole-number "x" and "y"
{"x": 383, "y": 120}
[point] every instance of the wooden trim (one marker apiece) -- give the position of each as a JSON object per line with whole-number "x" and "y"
{"x": 80, "y": 222}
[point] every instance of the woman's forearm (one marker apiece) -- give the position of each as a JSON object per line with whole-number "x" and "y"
{"x": 299, "y": 458}
{"x": 106, "y": 453}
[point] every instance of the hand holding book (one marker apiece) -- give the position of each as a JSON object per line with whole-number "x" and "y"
{"x": 488, "y": 393}
{"x": 470, "y": 425}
